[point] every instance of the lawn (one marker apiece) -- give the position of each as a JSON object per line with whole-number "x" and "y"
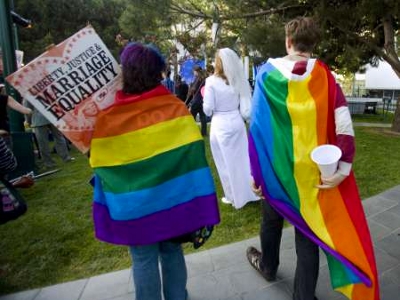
{"x": 54, "y": 241}
{"x": 380, "y": 117}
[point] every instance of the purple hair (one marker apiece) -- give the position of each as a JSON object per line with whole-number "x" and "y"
{"x": 141, "y": 68}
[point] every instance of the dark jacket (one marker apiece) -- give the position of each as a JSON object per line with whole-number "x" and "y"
{"x": 181, "y": 90}
{"x": 194, "y": 96}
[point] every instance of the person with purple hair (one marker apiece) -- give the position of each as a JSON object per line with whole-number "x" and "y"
{"x": 153, "y": 188}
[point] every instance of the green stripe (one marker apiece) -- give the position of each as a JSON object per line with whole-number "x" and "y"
{"x": 339, "y": 277}
{"x": 153, "y": 171}
{"x": 283, "y": 135}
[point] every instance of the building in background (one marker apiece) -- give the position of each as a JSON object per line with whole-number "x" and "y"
{"x": 382, "y": 82}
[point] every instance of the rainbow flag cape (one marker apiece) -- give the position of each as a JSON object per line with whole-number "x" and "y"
{"x": 152, "y": 180}
{"x": 280, "y": 160}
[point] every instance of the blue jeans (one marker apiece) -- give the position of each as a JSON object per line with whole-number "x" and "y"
{"x": 146, "y": 272}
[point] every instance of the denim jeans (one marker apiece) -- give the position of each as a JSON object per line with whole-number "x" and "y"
{"x": 306, "y": 275}
{"x": 146, "y": 272}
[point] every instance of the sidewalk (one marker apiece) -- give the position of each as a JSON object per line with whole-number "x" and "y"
{"x": 363, "y": 124}
{"x": 224, "y": 274}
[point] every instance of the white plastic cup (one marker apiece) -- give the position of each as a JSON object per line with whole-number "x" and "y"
{"x": 327, "y": 158}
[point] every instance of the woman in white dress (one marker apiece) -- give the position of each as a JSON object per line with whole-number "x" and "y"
{"x": 227, "y": 98}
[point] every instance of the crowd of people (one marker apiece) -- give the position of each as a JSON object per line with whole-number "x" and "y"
{"x": 153, "y": 187}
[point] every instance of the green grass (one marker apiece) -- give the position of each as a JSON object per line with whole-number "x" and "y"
{"x": 54, "y": 241}
{"x": 386, "y": 118}
{"x": 377, "y": 160}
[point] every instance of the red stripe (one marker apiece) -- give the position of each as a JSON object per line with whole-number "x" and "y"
{"x": 348, "y": 190}
{"x": 122, "y": 98}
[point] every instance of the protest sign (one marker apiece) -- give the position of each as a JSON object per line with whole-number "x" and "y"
{"x": 187, "y": 69}
{"x": 70, "y": 83}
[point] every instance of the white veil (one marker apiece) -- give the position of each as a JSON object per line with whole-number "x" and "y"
{"x": 234, "y": 72}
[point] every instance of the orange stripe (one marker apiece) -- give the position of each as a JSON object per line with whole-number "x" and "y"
{"x": 362, "y": 292}
{"x": 318, "y": 87}
{"x": 137, "y": 115}
{"x": 341, "y": 229}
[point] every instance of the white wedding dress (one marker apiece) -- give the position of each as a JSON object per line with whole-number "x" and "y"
{"x": 228, "y": 141}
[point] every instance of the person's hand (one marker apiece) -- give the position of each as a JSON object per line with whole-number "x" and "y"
{"x": 331, "y": 182}
{"x": 256, "y": 190}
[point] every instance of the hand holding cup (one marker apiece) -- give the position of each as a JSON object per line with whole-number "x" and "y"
{"x": 327, "y": 158}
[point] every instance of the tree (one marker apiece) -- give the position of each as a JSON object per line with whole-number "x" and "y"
{"x": 360, "y": 32}
{"x": 147, "y": 21}
{"x": 52, "y": 22}
{"x": 355, "y": 32}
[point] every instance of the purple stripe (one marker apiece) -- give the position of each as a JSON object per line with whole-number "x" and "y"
{"x": 255, "y": 164}
{"x": 156, "y": 227}
{"x": 295, "y": 219}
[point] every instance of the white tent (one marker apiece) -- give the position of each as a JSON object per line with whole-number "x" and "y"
{"x": 382, "y": 77}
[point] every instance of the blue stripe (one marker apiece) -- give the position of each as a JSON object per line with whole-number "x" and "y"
{"x": 137, "y": 204}
{"x": 352, "y": 277}
{"x": 261, "y": 130}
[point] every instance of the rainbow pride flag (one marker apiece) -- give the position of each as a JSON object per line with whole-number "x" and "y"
{"x": 288, "y": 121}
{"x": 152, "y": 180}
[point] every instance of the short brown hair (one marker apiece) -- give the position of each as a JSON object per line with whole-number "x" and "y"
{"x": 200, "y": 72}
{"x": 303, "y": 32}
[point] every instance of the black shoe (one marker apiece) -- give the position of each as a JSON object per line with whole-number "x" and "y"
{"x": 254, "y": 257}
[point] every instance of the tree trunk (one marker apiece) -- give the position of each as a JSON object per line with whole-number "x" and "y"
{"x": 396, "y": 120}
{"x": 393, "y": 60}
{"x": 389, "y": 46}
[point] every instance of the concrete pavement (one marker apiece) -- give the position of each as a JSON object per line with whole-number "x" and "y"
{"x": 223, "y": 273}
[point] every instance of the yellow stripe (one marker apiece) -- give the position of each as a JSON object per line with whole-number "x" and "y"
{"x": 302, "y": 111}
{"x": 346, "y": 290}
{"x": 144, "y": 143}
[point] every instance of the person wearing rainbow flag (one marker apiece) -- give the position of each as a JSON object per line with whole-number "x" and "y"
{"x": 152, "y": 186}
{"x": 297, "y": 106}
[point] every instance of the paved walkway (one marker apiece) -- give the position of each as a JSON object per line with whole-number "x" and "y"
{"x": 224, "y": 274}
{"x": 364, "y": 124}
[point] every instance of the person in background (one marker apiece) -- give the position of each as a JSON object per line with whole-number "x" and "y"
{"x": 227, "y": 98}
{"x": 8, "y": 162}
{"x": 12, "y": 205}
{"x": 167, "y": 82}
{"x": 297, "y": 105}
{"x": 152, "y": 182}
{"x": 210, "y": 69}
{"x": 195, "y": 98}
{"x": 41, "y": 127}
{"x": 181, "y": 88}
{"x": 8, "y": 101}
